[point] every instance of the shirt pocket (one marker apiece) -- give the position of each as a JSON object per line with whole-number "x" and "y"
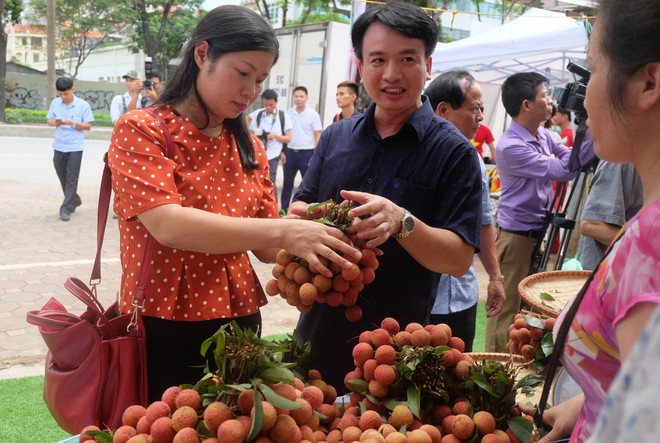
{"x": 412, "y": 196}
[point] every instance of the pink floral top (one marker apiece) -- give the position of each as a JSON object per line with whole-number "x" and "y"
{"x": 629, "y": 275}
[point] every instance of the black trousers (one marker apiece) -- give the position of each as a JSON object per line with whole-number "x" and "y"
{"x": 173, "y": 350}
{"x": 67, "y": 167}
{"x": 463, "y": 324}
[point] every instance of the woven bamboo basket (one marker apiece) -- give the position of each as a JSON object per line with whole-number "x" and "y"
{"x": 561, "y": 285}
{"x": 525, "y": 368}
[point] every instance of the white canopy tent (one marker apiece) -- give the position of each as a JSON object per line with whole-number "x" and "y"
{"x": 538, "y": 41}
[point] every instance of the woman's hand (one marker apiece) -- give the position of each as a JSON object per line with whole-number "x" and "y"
{"x": 562, "y": 417}
{"x": 311, "y": 240}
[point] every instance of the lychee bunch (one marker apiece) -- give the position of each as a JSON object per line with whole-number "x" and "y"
{"x": 530, "y": 335}
{"x": 301, "y": 285}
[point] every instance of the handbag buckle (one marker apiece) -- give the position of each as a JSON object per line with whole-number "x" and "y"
{"x": 133, "y": 324}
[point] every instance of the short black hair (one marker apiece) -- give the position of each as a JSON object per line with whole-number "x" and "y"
{"x": 269, "y": 94}
{"x": 405, "y": 18}
{"x": 518, "y": 88}
{"x": 566, "y": 112}
{"x": 301, "y": 88}
{"x": 448, "y": 88}
{"x": 350, "y": 85}
{"x": 155, "y": 73}
{"x": 63, "y": 84}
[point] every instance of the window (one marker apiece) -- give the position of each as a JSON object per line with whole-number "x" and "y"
{"x": 24, "y": 40}
{"x": 274, "y": 11}
{"x": 35, "y": 58}
{"x": 37, "y": 42}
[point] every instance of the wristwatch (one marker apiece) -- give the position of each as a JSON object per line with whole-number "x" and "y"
{"x": 407, "y": 225}
{"x": 496, "y": 278}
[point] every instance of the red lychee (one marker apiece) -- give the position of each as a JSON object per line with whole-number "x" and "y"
{"x": 188, "y": 397}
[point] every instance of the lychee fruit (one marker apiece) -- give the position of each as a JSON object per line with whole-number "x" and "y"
{"x": 231, "y": 431}
{"x": 161, "y": 430}
{"x": 156, "y": 410}
{"x": 420, "y": 337}
{"x": 363, "y": 352}
{"x": 214, "y": 414}
{"x": 385, "y": 354}
{"x": 307, "y": 293}
{"x": 302, "y": 414}
{"x": 462, "y": 368}
{"x": 84, "y": 436}
{"x": 412, "y": 327}
{"x": 385, "y": 374}
{"x": 269, "y": 415}
{"x": 380, "y": 337}
{"x": 123, "y": 434}
{"x": 395, "y": 437}
{"x": 490, "y": 438}
{"x": 462, "y": 426}
{"x": 461, "y": 407}
{"x": 184, "y": 417}
{"x": 390, "y": 325}
{"x": 418, "y": 436}
{"x": 285, "y": 430}
{"x": 484, "y": 421}
{"x": 400, "y": 416}
{"x": 352, "y": 433}
{"x": 403, "y": 338}
{"x": 353, "y": 313}
{"x": 370, "y": 420}
{"x": 132, "y": 415}
{"x": 457, "y": 343}
{"x": 188, "y": 397}
{"x": 313, "y": 395}
{"x": 433, "y": 432}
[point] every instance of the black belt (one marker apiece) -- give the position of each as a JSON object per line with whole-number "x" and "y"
{"x": 528, "y": 234}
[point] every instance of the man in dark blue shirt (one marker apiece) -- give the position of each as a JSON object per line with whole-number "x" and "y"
{"x": 414, "y": 176}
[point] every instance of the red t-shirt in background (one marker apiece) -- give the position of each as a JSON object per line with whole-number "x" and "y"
{"x": 568, "y": 135}
{"x": 482, "y": 136}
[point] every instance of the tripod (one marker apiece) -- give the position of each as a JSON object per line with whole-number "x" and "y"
{"x": 558, "y": 219}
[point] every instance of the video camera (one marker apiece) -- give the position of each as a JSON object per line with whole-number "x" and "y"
{"x": 571, "y": 97}
{"x": 148, "y": 66}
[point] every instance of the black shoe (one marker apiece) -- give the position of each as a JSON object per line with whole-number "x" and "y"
{"x": 75, "y": 206}
{"x": 64, "y": 216}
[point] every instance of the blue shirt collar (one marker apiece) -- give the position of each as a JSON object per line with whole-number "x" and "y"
{"x": 419, "y": 121}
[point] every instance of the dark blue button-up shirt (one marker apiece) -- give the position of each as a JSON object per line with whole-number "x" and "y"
{"x": 427, "y": 167}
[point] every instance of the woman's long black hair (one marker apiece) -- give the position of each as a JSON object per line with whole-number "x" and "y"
{"x": 228, "y": 28}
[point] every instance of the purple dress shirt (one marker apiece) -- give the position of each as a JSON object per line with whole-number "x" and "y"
{"x": 527, "y": 167}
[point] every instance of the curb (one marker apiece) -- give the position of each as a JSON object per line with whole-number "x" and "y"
{"x": 44, "y": 131}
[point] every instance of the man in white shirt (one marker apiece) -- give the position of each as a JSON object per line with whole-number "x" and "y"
{"x": 273, "y": 127}
{"x": 304, "y": 137}
{"x": 129, "y": 100}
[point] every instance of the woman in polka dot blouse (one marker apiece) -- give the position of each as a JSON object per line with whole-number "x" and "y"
{"x": 209, "y": 203}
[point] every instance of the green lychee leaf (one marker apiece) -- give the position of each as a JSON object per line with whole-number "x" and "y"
{"x": 546, "y": 297}
{"x": 530, "y": 381}
{"x": 313, "y": 206}
{"x": 413, "y": 400}
{"x": 257, "y": 417}
{"x": 521, "y": 428}
{"x": 481, "y": 381}
{"x": 277, "y": 375}
{"x": 357, "y": 385}
{"x": 276, "y": 400}
{"x": 534, "y": 321}
{"x": 100, "y": 436}
{"x": 547, "y": 344}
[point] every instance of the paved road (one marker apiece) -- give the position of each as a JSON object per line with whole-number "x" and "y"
{"x": 38, "y": 252}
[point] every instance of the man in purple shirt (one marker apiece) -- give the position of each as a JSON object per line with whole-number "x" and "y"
{"x": 529, "y": 160}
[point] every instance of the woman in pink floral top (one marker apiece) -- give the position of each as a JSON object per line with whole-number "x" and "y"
{"x": 623, "y": 103}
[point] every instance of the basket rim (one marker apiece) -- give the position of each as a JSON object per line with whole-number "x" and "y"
{"x": 497, "y": 356}
{"x": 546, "y": 275}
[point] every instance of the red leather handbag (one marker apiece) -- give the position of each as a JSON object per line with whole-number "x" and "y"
{"x": 96, "y": 365}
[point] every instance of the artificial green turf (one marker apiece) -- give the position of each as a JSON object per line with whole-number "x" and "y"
{"x": 24, "y": 417}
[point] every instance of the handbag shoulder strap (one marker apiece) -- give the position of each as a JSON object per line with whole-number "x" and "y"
{"x": 562, "y": 335}
{"x": 103, "y": 210}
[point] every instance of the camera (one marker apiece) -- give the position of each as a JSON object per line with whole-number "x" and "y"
{"x": 571, "y": 97}
{"x": 147, "y": 84}
{"x": 148, "y": 66}
{"x": 264, "y": 137}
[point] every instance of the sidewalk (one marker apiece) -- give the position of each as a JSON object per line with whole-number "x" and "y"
{"x": 37, "y": 130}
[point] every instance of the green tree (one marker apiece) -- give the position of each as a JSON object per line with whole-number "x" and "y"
{"x": 161, "y": 26}
{"x": 10, "y": 12}
{"x": 83, "y": 26}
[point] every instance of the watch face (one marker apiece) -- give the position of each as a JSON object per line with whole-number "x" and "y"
{"x": 408, "y": 223}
